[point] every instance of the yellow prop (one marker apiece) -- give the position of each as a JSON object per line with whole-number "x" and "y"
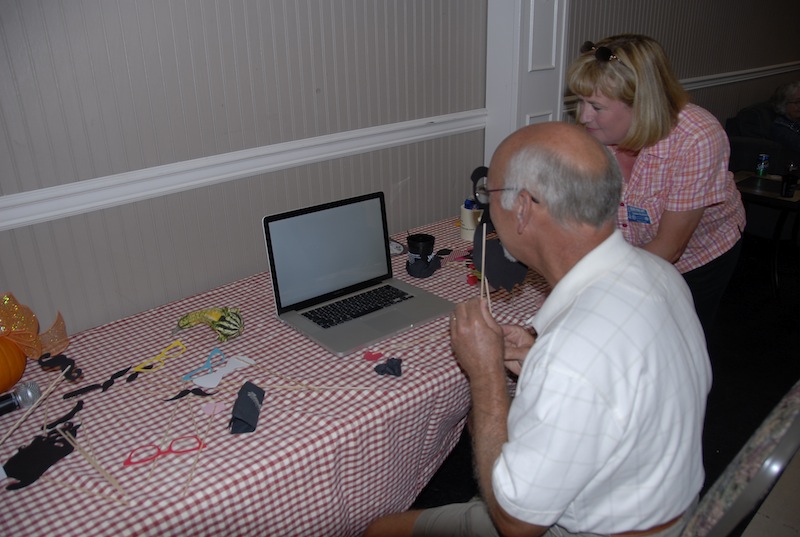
{"x": 226, "y": 322}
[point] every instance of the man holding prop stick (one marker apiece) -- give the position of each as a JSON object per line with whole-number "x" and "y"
{"x": 603, "y": 435}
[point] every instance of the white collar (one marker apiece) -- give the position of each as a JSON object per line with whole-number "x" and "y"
{"x": 599, "y": 261}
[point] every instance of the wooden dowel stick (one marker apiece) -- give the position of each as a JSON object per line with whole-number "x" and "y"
{"x": 87, "y": 491}
{"x": 33, "y": 407}
{"x": 296, "y": 387}
{"x": 288, "y": 379}
{"x": 483, "y": 259}
{"x": 167, "y": 432}
{"x": 46, "y": 412}
{"x": 85, "y": 431}
{"x": 416, "y": 343}
{"x": 484, "y": 280}
{"x": 92, "y": 461}
{"x": 197, "y": 457}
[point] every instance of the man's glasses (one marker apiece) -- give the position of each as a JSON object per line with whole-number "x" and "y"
{"x": 482, "y": 193}
{"x": 176, "y": 348}
{"x": 604, "y": 54}
{"x": 150, "y": 452}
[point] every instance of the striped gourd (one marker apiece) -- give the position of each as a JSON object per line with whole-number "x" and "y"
{"x": 226, "y": 322}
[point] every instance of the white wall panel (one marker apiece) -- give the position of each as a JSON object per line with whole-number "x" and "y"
{"x": 542, "y": 36}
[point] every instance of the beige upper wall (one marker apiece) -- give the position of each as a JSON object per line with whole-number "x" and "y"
{"x": 704, "y": 38}
{"x": 701, "y": 37}
{"x": 91, "y": 88}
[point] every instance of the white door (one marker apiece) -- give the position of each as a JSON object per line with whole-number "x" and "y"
{"x": 525, "y": 66}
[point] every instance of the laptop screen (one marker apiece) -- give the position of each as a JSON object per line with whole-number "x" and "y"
{"x": 321, "y": 252}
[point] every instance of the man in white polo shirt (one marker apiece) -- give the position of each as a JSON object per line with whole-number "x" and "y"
{"x": 604, "y": 433}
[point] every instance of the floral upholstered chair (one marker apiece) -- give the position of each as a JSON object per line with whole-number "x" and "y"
{"x": 752, "y": 473}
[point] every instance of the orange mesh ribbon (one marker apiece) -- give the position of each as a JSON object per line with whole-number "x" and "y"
{"x": 54, "y": 340}
{"x": 19, "y": 324}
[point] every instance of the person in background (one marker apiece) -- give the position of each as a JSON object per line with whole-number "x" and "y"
{"x": 785, "y": 129}
{"x": 679, "y": 199}
{"x": 604, "y": 433}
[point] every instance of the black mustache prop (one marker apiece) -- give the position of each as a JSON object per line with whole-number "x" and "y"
{"x": 195, "y": 391}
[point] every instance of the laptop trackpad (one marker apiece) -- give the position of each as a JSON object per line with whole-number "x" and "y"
{"x": 389, "y": 321}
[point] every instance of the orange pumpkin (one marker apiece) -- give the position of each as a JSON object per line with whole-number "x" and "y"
{"x": 12, "y": 364}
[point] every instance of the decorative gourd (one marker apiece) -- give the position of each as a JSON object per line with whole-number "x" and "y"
{"x": 12, "y": 364}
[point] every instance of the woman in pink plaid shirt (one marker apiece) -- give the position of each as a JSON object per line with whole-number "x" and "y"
{"x": 679, "y": 200}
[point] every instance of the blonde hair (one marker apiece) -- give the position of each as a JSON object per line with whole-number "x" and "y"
{"x": 638, "y": 74}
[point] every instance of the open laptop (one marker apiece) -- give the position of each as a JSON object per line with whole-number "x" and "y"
{"x": 331, "y": 252}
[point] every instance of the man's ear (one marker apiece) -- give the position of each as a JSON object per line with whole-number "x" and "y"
{"x": 523, "y": 211}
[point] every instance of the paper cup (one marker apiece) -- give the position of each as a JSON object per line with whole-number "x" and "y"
{"x": 469, "y": 222}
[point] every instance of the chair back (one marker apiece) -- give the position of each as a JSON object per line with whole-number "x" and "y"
{"x": 755, "y": 121}
{"x": 752, "y": 473}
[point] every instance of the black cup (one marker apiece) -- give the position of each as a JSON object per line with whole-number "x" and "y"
{"x": 420, "y": 248}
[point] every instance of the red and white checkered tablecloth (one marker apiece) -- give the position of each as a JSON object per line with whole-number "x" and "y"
{"x": 321, "y": 462}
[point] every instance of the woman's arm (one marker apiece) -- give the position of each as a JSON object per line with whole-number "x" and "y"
{"x": 674, "y": 231}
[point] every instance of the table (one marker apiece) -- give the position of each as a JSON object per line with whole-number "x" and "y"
{"x": 765, "y": 191}
{"x": 326, "y": 458}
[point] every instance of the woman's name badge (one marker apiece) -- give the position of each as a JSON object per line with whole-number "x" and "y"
{"x": 639, "y": 215}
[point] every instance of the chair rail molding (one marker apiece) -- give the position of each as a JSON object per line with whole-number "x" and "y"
{"x": 721, "y": 79}
{"x": 52, "y": 203}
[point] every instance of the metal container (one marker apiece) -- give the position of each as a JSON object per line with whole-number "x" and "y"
{"x": 763, "y": 164}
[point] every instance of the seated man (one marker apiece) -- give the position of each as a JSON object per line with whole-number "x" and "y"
{"x": 785, "y": 129}
{"x": 604, "y": 433}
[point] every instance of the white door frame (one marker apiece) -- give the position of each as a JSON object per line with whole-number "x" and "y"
{"x": 525, "y": 66}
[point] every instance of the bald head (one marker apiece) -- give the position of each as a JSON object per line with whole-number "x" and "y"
{"x": 562, "y": 139}
{"x": 564, "y": 168}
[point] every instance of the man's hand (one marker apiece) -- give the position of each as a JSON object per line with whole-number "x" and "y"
{"x": 518, "y": 342}
{"x": 480, "y": 346}
{"x": 476, "y": 338}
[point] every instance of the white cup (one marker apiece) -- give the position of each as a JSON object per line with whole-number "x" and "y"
{"x": 469, "y": 222}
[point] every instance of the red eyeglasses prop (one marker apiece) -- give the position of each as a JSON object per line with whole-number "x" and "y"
{"x": 150, "y": 452}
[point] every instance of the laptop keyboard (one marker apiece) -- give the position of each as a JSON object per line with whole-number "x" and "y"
{"x": 356, "y": 306}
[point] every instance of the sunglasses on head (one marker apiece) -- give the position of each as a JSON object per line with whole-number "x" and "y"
{"x": 603, "y": 54}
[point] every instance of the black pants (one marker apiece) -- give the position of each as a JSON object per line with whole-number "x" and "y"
{"x": 708, "y": 284}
